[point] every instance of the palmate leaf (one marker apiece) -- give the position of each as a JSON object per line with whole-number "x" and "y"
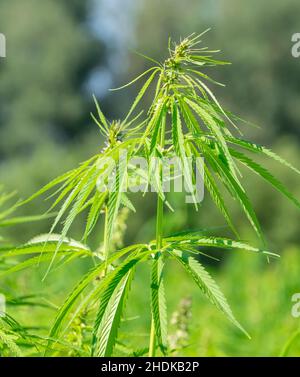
{"x": 31, "y": 262}
{"x": 116, "y": 286}
{"x": 78, "y": 186}
{"x": 112, "y": 302}
{"x": 113, "y": 290}
{"x": 197, "y": 239}
{"x": 210, "y": 122}
{"x": 158, "y": 303}
{"x": 67, "y": 249}
{"x": 207, "y": 285}
{"x": 210, "y": 150}
{"x": 108, "y": 329}
{"x": 256, "y": 148}
{"x": 66, "y": 177}
{"x": 72, "y": 181}
{"x": 264, "y": 173}
{"x": 232, "y": 185}
{"x": 85, "y": 191}
{"x": 78, "y": 196}
{"x": 80, "y": 287}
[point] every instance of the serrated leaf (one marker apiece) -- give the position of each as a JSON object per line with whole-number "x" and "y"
{"x": 114, "y": 288}
{"x": 94, "y": 212}
{"x": 70, "y": 301}
{"x": 208, "y": 286}
{"x": 256, "y": 148}
{"x": 178, "y": 140}
{"x": 234, "y": 188}
{"x": 113, "y": 301}
{"x": 158, "y": 304}
{"x": 142, "y": 91}
{"x": 264, "y": 173}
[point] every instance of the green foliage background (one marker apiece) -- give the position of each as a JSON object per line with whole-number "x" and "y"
{"x": 59, "y": 52}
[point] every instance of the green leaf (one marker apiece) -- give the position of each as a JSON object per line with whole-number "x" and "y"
{"x": 210, "y": 122}
{"x": 37, "y": 246}
{"x": 153, "y": 122}
{"x": 218, "y": 242}
{"x": 160, "y": 119}
{"x": 114, "y": 289}
{"x": 264, "y": 173}
{"x": 94, "y": 212}
{"x": 233, "y": 186}
{"x": 80, "y": 193}
{"x": 127, "y": 202}
{"x": 189, "y": 118}
{"x": 215, "y": 194}
{"x": 101, "y": 116}
{"x": 143, "y": 89}
{"x": 256, "y": 148}
{"x": 217, "y": 197}
{"x": 158, "y": 303}
{"x": 94, "y": 273}
{"x": 207, "y": 285}
{"x": 112, "y": 303}
{"x": 24, "y": 219}
{"x": 178, "y": 141}
{"x": 35, "y": 261}
{"x": 115, "y": 197}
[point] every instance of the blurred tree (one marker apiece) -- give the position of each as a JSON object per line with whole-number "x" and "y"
{"x": 51, "y": 53}
{"x": 49, "y": 57}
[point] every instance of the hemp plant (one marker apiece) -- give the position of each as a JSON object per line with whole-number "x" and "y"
{"x": 184, "y": 121}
